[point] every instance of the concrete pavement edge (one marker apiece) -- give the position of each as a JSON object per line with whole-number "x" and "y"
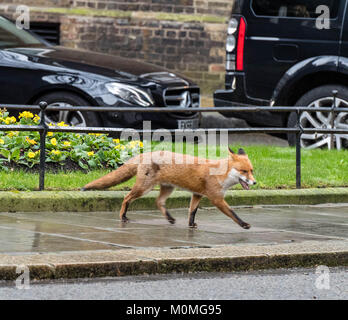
{"x": 166, "y": 261}
{"x": 98, "y": 201}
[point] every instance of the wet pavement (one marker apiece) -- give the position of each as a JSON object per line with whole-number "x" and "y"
{"x": 22, "y": 233}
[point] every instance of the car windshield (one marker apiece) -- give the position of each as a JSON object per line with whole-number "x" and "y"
{"x": 11, "y": 36}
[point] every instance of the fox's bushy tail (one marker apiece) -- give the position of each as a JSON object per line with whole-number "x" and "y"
{"x": 122, "y": 174}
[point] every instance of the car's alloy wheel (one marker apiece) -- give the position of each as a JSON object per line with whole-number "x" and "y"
{"x": 72, "y": 118}
{"x": 321, "y": 120}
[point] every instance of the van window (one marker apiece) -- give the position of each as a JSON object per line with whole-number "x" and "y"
{"x": 237, "y": 6}
{"x": 293, "y": 9}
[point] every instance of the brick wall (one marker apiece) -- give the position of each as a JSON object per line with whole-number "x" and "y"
{"x": 215, "y": 7}
{"x": 193, "y": 48}
{"x": 219, "y": 7}
{"x": 46, "y": 3}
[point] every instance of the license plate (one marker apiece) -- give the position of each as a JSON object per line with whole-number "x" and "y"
{"x": 187, "y": 124}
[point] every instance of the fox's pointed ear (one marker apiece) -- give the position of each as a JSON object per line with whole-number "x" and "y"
{"x": 241, "y": 152}
{"x": 230, "y": 150}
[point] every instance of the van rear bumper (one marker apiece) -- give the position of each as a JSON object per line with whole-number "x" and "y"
{"x": 237, "y": 97}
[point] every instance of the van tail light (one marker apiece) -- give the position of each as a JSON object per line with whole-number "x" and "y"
{"x": 235, "y": 44}
{"x": 240, "y": 45}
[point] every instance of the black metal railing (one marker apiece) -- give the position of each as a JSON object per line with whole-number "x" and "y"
{"x": 43, "y": 128}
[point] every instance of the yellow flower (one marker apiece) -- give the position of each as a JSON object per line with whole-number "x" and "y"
{"x": 67, "y": 143}
{"x": 62, "y": 124}
{"x": 37, "y": 118}
{"x": 49, "y": 134}
{"x": 31, "y": 155}
{"x": 13, "y": 133}
{"x": 141, "y": 145}
{"x": 26, "y": 114}
{"x": 132, "y": 144}
{"x": 2, "y": 141}
{"x": 90, "y": 154}
{"x": 56, "y": 152}
{"x": 120, "y": 146}
{"x": 30, "y": 140}
{"x": 10, "y": 120}
{"x": 54, "y": 141}
{"x": 117, "y": 141}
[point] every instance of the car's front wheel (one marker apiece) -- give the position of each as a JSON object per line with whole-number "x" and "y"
{"x": 72, "y": 118}
{"x": 321, "y": 97}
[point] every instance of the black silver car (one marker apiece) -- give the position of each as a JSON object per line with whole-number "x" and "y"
{"x": 32, "y": 71}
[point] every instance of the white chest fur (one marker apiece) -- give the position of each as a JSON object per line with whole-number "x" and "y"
{"x": 231, "y": 180}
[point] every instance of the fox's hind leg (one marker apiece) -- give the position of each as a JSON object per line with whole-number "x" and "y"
{"x": 129, "y": 198}
{"x": 196, "y": 198}
{"x": 144, "y": 184}
{"x": 165, "y": 192}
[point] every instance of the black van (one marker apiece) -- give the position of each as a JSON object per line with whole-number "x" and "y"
{"x": 286, "y": 53}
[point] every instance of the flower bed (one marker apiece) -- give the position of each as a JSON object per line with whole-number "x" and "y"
{"x": 86, "y": 151}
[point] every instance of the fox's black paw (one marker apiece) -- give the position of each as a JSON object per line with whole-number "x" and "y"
{"x": 83, "y": 189}
{"x": 245, "y": 225}
{"x": 125, "y": 220}
{"x": 193, "y": 226}
{"x": 170, "y": 218}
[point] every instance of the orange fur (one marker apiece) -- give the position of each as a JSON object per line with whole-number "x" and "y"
{"x": 170, "y": 170}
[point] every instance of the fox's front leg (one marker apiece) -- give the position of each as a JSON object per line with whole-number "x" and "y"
{"x": 196, "y": 198}
{"x": 222, "y": 205}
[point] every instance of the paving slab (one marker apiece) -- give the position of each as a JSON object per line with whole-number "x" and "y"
{"x": 68, "y": 244}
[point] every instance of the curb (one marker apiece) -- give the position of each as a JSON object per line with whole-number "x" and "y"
{"x": 96, "y": 201}
{"x": 166, "y": 261}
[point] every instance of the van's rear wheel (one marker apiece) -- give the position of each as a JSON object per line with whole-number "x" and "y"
{"x": 321, "y": 97}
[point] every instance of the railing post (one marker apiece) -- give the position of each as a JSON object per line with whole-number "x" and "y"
{"x": 298, "y": 152}
{"x": 43, "y": 133}
{"x": 333, "y": 114}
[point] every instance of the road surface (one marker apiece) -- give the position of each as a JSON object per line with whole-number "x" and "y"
{"x": 271, "y": 284}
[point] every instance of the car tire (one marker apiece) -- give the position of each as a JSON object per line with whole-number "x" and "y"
{"x": 81, "y": 119}
{"x": 313, "y": 96}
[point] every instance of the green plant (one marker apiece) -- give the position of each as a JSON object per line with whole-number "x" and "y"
{"x": 89, "y": 151}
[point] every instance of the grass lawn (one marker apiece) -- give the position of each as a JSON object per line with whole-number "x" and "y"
{"x": 274, "y": 169}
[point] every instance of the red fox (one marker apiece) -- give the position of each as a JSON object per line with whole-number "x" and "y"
{"x": 170, "y": 170}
